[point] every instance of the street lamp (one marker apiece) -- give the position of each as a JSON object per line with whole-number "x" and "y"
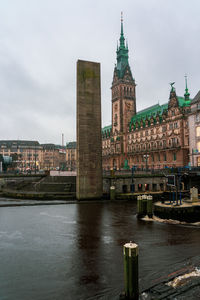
{"x": 146, "y": 156}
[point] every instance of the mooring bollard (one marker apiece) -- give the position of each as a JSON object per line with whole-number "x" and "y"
{"x": 150, "y": 206}
{"x": 112, "y": 192}
{"x": 139, "y": 206}
{"x": 131, "y": 271}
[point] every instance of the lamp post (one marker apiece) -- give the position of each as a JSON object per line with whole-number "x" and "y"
{"x": 192, "y": 157}
{"x": 146, "y": 156}
{"x": 35, "y": 158}
{"x": 132, "y": 186}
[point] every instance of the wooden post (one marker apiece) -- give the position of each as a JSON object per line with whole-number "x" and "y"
{"x": 131, "y": 271}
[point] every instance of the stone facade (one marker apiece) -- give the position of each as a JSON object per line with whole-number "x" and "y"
{"x": 26, "y": 154}
{"x": 31, "y": 155}
{"x": 89, "y": 155}
{"x": 194, "y": 131}
{"x": 71, "y": 156}
{"x": 156, "y": 137}
{"x": 53, "y": 157}
{"x": 141, "y": 184}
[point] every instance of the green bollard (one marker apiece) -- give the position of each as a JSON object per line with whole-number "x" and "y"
{"x": 112, "y": 192}
{"x": 139, "y": 206}
{"x": 150, "y": 206}
{"x": 131, "y": 271}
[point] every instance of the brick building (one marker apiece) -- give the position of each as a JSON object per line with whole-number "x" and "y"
{"x": 155, "y": 137}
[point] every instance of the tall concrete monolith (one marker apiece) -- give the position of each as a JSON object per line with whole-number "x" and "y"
{"x": 89, "y": 147}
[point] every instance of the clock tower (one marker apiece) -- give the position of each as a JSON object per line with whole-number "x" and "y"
{"x": 123, "y": 89}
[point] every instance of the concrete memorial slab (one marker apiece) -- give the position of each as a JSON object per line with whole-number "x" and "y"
{"x": 89, "y": 148}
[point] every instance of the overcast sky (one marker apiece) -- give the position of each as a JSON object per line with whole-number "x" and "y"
{"x": 41, "y": 41}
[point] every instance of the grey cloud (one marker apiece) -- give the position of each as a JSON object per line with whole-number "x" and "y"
{"x": 40, "y": 42}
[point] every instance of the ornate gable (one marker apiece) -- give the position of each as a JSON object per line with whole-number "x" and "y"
{"x": 173, "y": 100}
{"x": 127, "y": 74}
{"x": 115, "y": 76}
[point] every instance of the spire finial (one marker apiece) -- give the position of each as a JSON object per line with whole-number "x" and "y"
{"x": 187, "y": 94}
{"x": 122, "y": 32}
{"x": 186, "y": 82}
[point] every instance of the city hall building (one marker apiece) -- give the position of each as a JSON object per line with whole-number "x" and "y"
{"x": 155, "y": 137}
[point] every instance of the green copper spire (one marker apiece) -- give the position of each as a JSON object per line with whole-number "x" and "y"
{"x": 122, "y": 53}
{"x": 122, "y": 33}
{"x": 187, "y": 94}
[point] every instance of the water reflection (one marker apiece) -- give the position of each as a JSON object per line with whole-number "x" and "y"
{"x": 88, "y": 241}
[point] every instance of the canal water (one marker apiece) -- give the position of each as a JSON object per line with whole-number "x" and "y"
{"x": 74, "y": 251}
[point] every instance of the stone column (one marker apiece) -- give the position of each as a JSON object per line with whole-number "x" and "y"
{"x": 89, "y": 147}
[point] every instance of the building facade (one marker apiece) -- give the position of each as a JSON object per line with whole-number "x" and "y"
{"x": 194, "y": 131}
{"x": 53, "y": 157}
{"x": 71, "y": 156}
{"x": 32, "y": 156}
{"x": 156, "y": 137}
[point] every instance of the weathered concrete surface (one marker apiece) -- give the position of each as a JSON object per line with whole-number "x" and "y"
{"x": 89, "y": 155}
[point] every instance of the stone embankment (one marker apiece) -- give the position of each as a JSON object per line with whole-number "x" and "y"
{"x": 186, "y": 212}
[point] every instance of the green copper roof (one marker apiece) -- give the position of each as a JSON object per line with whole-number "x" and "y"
{"x": 106, "y": 131}
{"x": 184, "y": 103}
{"x": 155, "y": 110}
{"x": 150, "y": 111}
{"x": 122, "y": 54}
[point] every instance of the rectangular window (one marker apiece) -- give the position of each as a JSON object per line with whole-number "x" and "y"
{"x": 198, "y": 146}
{"x": 174, "y": 156}
{"x": 198, "y": 131}
{"x": 171, "y": 126}
{"x": 198, "y": 118}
